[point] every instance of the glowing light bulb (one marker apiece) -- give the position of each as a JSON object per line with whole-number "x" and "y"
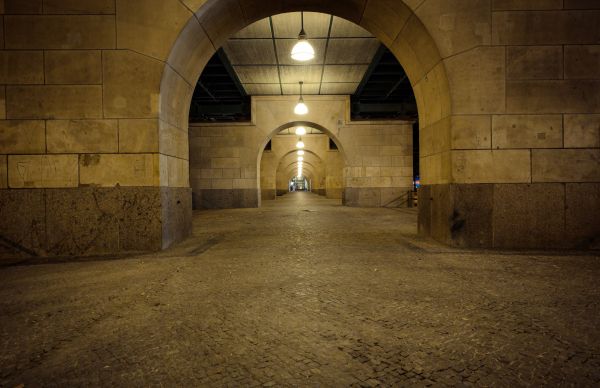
{"x": 300, "y": 131}
{"x": 300, "y": 158}
{"x": 303, "y": 51}
{"x": 300, "y": 144}
{"x": 301, "y": 108}
{"x": 300, "y": 153}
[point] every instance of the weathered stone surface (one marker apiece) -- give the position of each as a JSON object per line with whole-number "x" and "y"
{"x": 424, "y": 218}
{"x": 82, "y": 136}
{"x": 54, "y": 102}
{"x": 21, "y": 7}
{"x": 477, "y": 80}
{"x": 526, "y": 5}
{"x": 41, "y": 171}
{"x": 471, "y": 218}
{"x": 2, "y": 102}
{"x": 531, "y": 28}
{"x": 22, "y": 137}
{"x": 441, "y": 205}
{"x": 529, "y": 216}
{"x": 385, "y": 19}
{"x": 581, "y": 62}
{"x": 131, "y": 85}
{"x": 73, "y": 67}
{"x": 568, "y": 96}
{"x": 566, "y": 165}
{"x": 173, "y": 141}
{"x": 140, "y": 225}
{"x": 119, "y": 169}
{"x": 527, "y": 131}
{"x": 21, "y": 67}
{"x": 534, "y": 62}
{"x": 471, "y": 132}
{"x": 3, "y": 171}
{"x": 582, "y": 131}
{"x": 176, "y": 207}
{"x": 582, "y": 215}
{"x": 23, "y": 223}
{"x": 581, "y": 4}
{"x": 226, "y": 198}
{"x": 138, "y": 135}
{"x": 79, "y": 7}
{"x": 60, "y": 32}
{"x": 496, "y": 166}
{"x": 176, "y": 93}
{"x": 457, "y": 25}
{"x": 150, "y": 26}
{"x": 177, "y": 173}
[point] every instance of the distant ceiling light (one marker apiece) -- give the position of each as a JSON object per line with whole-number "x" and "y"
{"x": 300, "y": 131}
{"x": 300, "y": 158}
{"x": 300, "y": 144}
{"x": 301, "y": 108}
{"x": 300, "y": 153}
{"x": 302, "y": 51}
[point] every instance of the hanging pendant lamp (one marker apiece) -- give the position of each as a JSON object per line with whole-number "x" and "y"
{"x": 302, "y": 51}
{"x": 301, "y": 108}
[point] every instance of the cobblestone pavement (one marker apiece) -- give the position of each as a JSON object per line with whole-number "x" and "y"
{"x": 304, "y": 292}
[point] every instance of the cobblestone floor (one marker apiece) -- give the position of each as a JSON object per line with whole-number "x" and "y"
{"x": 304, "y": 292}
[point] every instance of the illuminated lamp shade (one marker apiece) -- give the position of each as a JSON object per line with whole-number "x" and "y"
{"x": 300, "y": 152}
{"x": 302, "y": 50}
{"x": 300, "y": 144}
{"x": 300, "y": 131}
{"x": 301, "y": 108}
{"x": 300, "y": 158}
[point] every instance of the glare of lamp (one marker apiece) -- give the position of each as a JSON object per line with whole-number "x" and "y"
{"x": 300, "y": 153}
{"x": 300, "y": 158}
{"x": 300, "y": 144}
{"x": 300, "y": 131}
{"x": 301, "y": 108}
{"x": 302, "y": 50}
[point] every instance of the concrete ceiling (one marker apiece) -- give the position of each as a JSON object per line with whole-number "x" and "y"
{"x": 260, "y": 55}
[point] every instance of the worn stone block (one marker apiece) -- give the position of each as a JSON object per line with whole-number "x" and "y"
{"x": 178, "y": 172}
{"x": 176, "y": 210}
{"x": 581, "y": 4}
{"x": 73, "y": 67}
{"x": 471, "y": 217}
{"x": 582, "y": 215}
{"x": 441, "y": 212}
{"x": 531, "y": 28}
{"x": 59, "y": 32}
{"x": 566, "y": 165}
{"x": 173, "y": 141}
{"x": 495, "y": 166}
{"x": 23, "y": 223}
{"x": 457, "y": 25}
{"x": 225, "y": 163}
{"x": 22, "y": 7}
{"x": 581, "y": 62}
{"x": 568, "y": 96}
{"x": 527, "y": 131}
{"x": 529, "y": 216}
{"x": 131, "y": 85}
{"x": 3, "y": 171}
{"x": 227, "y": 198}
{"x": 435, "y": 138}
{"x": 138, "y": 135}
{"x": 385, "y": 19}
{"x": 582, "y": 131}
{"x": 477, "y": 80}
{"x": 2, "y": 102}
{"x": 119, "y": 169}
{"x": 175, "y": 97}
{"x": 424, "y": 217}
{"x": 22, "y": 137}
{"x": 140, "y": 225}
{"x": 42, "y": 171}
{"x": 54, "y": 102}
{"x": 82, "y": 136}
{"x": 534, "y": 62}
{"x": 21, "y": 67}
{"x": 471, "y": 132}
{"x": 94, "y": 7}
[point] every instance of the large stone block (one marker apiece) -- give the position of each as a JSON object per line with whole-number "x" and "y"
{"x": 82, "y": 136}
{"x": 3, "y": 171}
{"x": 94, "y": 7}
{"x": 150, "y": 26}
{"x": 424, "y": 217}
{"x": 457, "y": 25}
{"x": 138, "y": 135}
{"x": 21, "y": 67}
{"x": 60, "y": 32}
{"x": 73, "y": 67}
{"x": 581, "y": 62}
{"x": 471, "y": 132}
{"x": 54, "y": 102}
{"x": 22, "y": 137}
{"x": 581, "y": 4}
{"x": 176, "y": 206}
{"x": 385, "y": 19}
{"x": 23, "y": 223}
{"x": 582, "y": 131}
{"x": 531, "y": 28}
{"x": 22, "y": 7}
{"x": 42, "y": 171}
{"x": 221, "y": 20}
{"x": 566, "y": 165}
{"x": 119, "y": 169}
{"x": 441, "y": 212}
{"x": 131, "y": 85}
{"x": 527, "y": 131}
{"x": 495, "y": 166}
{"x": 582, "y": 215}
{"x": 173, "y": 141}
{"x": 534, "y": 62}
{"x": 177, "y": 172}
{"x": 526, "y": 5}
{"x": 471, "y": 218}
{"x": 176, "y": 94}
{"x": 226, "y": 198}
{"x": 568, "y": 96}
{"x": 529, "y": 216}
{"x": 477, "y": 81}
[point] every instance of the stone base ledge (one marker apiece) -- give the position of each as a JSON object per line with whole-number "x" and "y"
{"x": 374, "y": 196}
{"x": 225, "y": 198}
